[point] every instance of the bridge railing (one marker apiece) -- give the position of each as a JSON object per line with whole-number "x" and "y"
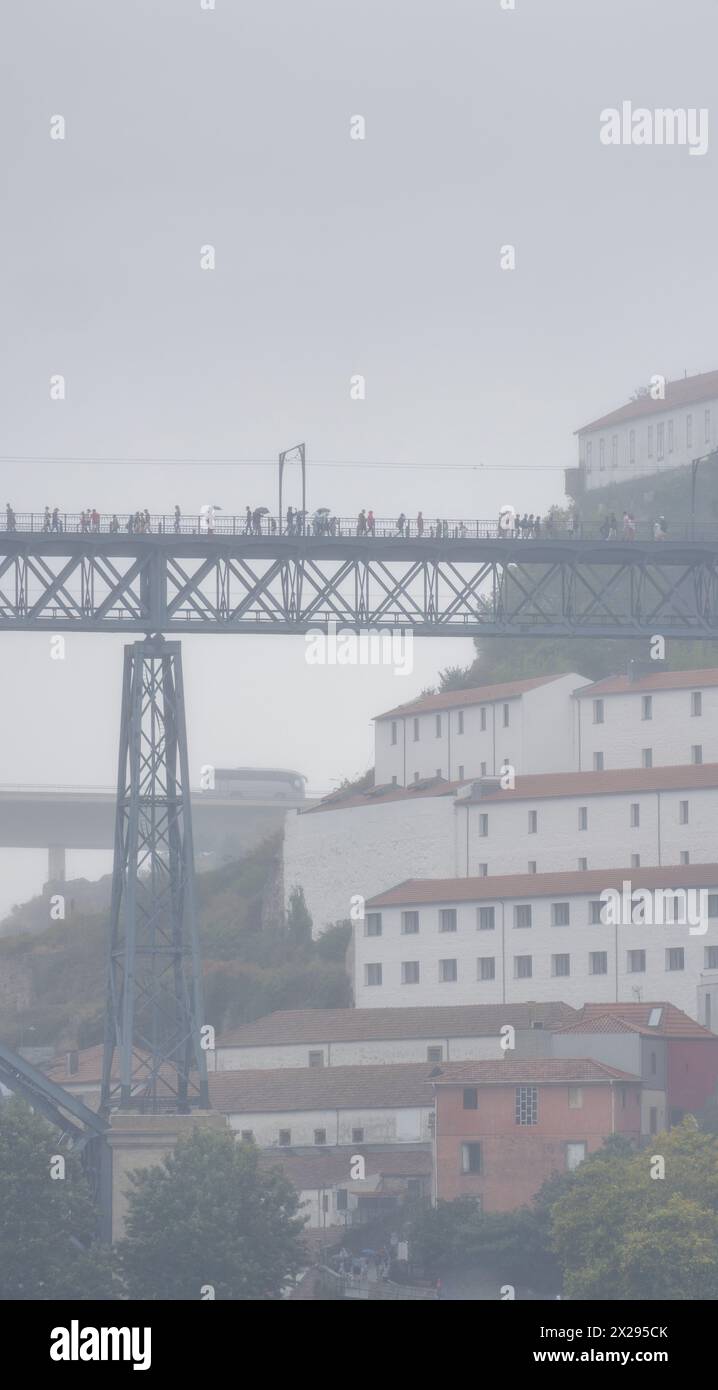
{"x": 337, "y": 527}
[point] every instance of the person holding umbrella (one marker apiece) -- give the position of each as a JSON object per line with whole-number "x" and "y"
{"x": 257, "y": 515}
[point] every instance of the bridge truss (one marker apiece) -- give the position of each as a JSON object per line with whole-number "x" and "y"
{"x": 433, "y": 587}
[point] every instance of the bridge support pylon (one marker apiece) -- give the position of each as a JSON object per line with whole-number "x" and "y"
{"x": 153, "y": 1058}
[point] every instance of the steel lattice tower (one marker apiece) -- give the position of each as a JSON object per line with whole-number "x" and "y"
{"x": 154, "y": 991}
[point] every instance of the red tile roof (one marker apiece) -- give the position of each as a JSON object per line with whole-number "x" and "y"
{"x": 685, "y": 391}
{"x": 660, "y": 680}
{"x": 674, "y": 1023}
{"x": 531, "y": 1071}
{"x": 541, "y": 785}
{"x": 493, "y": 887}
{"x": 436, "y": 1021}
{"x": 322, "y": 1088}
{"x": 476, "y": 695}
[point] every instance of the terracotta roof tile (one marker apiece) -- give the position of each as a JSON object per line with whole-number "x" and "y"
{"x": 685, "y": 391}
{"x": 307, "y": 1172}
{"x": 476, "y": 695}
{"x": 531, "y": 1071}
{"x": 361, "y": 1025}
{"x": 494, "y": 887}
{"x": 322, "y": 1088}
{"x": 673, "y": 1023}
{"x": 659, "y": 680}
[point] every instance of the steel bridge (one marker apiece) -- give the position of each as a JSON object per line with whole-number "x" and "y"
{"x": 432, "y": 585}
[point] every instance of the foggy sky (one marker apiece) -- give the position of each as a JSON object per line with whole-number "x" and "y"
{"x": 231, "y": 127}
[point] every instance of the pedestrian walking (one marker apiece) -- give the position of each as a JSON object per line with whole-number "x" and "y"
{"x": 177, "y": 521}
{"x": 420, "y": 523}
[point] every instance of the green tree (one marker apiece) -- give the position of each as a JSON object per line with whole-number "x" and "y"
{"x": 299, "y": 923}
{"x": 48, "y": 1246}
{"x": 210, "y": 1215}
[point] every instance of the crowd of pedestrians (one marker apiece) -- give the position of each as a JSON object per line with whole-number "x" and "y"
{"x": 257, "y": 521}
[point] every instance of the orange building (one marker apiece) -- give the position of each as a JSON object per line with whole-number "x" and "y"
{"x": 504, "y": 1127}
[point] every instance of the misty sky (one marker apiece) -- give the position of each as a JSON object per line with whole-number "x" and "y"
{"x": 231, "y": 127}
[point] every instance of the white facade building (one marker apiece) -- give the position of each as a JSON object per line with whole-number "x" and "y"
{"x": 648, "y": 436}
{"x": 462, "y": 734}
{"x": 526, "y": 938}
{"x": 554, "y": 822}
{"x": 669, "y": 718}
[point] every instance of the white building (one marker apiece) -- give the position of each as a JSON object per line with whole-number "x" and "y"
{"x": 318, "y": 1106}
{"x": 548, "y": 822}
{"x": 531, "y": 937}
{"x": 649, "y": 436}
{"x": 460, "y": 734}
{"x": 668, "y": 718}
{"x": 367, "y": 1037}
{"x": 330, "y": 1198}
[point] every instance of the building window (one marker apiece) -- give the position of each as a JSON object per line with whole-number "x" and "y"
{"x": 660, "y": 431}
{"x": 320, "y": 1136}
{"x": 675, "y": 958}
{"x": 434, "y": 1054}
{"x": 483, "y": 870}
{"x": 632, "y": 446}
{"x": 438, "y": 771}
{"x": 394, "y": 731}
{"x": 636, "y": 964}
{"x": 560, "y": 965}
{"x": 486, "y": 968}
{"x": 247, "y": 1136}
{"x": 372, "y": 974}
{"x": 598, "y": 963}
{"x": 670, "y": 436}
{"x": 696, "y": 703}
{"x": 595, "y": 911}
{"x": 372, "y": 925}
{"x": 532, "y": 866}
{"x": 342, "y": 1199}
{"x": 461, "y": 772}
{"x": 601, "y": 455}
{"x": 583, "y": 817}
{"x": 357, "y": 1136}
{"x": 522, "y": 915}
{"x": 526, "y": 1105}
{"x": 711, "y": 957}
{"x": 506, "y": 716}
{"x": 460, "y": 718}
{"x": 438, "y": 726}
{"x": 447, "y": 972}
{"x": 409, "y": 923}
{"x": 683, "y": 812}
{"x": 635, "y": 861}
{"x": 447, "y": 919}
{"x": 685, "y": 856}
{"x": 487, "y": 918}
{"x": 416, "y": 731}
{"x": 650, "y": 441}
{"x": 697, "y": 753}
{"x": 471, "y": 1158}
{"x": 653, "y": 1119}
{"x": 598, "y": 711}
{"x": 689, "y": 431}
{"x": 560, "y": 915}
{"x": 575, "y": 1154}
{"x": 316, "y": 1059}
{"x": 483, "y": 717}
{"x": 483, "y": 825}
{"x": 582, "y": 866}
{"x": 285, "y": 1137}
{"x": 471, "y": 1098}
{"x": 707, "y": 426}
{"x": 635, "y": 814}
{"x": 646, "y": 757}
{"x": 654, "y": 1064}
{"x": 647, "y": 707}
{"x": 598, "y": 762}
{"x": 533, "y": 822}
{"x": 410, "y": 972}
{"x": 575, "y": 1098}
{"x": 614, "y": 451}
{"x": 394, "y": 781}
{"x": 416, "y": 776}
{"x": 522, "y": 968}
{"x": 483, "y": 770}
